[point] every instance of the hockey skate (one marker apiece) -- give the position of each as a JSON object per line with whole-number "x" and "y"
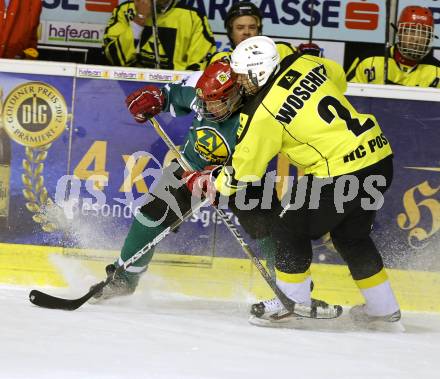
{"x": 272, "y": 312}
{"x": 122, "y": 284}
{"x": 362, "y": 319}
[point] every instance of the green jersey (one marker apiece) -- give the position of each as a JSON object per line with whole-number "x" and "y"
{"x": 207, "y": 142}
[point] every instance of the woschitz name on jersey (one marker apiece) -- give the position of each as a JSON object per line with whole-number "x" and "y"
{"x": 300, "y": 93}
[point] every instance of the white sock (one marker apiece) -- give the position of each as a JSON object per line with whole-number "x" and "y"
{"x": 380, "y": 300}
{"x": 297, "y": 291}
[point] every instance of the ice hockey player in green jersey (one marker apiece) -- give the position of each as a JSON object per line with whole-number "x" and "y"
{"x": 216, "y": 98}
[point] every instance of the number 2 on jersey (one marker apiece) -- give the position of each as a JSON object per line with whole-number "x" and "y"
{"x": 353, "y": 124}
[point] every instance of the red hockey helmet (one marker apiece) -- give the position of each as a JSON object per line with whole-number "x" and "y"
{"x": 415, "y": 32}
{"x": 218, "y": 93}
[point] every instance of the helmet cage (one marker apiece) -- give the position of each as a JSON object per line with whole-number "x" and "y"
{"x": 218, "y": 108}
{"x": 249, "y": 82}
{"x": 218, "y": 93}
{"x": 414, "y": 40}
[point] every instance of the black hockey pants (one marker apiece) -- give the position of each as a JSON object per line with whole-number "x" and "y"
{"x": 349, "y": 225}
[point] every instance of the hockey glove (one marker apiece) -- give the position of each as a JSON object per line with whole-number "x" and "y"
{"x": 145, "y": 103}
{"x": 310, "y": 49}
{"x": 201, "y": 183}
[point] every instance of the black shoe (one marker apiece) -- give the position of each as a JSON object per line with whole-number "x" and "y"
{"x": 122, "y": 284}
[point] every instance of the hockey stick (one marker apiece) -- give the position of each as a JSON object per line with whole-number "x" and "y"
{"x": 387, "y": 40}
{"x": 48, "y": 301}
{"x": 312, "y": 20}
{"x": 155, "y": 34}
{"x": 287, "y": 303}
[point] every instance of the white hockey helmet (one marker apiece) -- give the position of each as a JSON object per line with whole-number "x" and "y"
{"x": 257, "y": 57}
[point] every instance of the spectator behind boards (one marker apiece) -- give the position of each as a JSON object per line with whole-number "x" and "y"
{"x": 19, "y": 28}
{"x": 184, "y": 38}
{"x": 410, "y": 62}
{"x": 242, "y": 21}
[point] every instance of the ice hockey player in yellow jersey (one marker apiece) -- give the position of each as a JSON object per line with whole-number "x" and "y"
{"x": 297, "y": 107}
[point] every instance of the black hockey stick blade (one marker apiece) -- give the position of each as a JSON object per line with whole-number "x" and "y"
{"x": 45, "y": 300}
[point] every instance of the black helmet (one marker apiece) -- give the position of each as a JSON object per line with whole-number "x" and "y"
{"x": 243, "y": 8}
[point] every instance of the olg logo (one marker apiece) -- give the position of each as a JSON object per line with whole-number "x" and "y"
{"x": 74, "y": 5}
{"x": 34, "y": 114}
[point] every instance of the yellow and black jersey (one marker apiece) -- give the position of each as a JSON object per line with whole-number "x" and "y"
{"x": 303, "y": 113}
{"x": 370, "y": 69}
{"x": 185, "y": 39}
{"x": 284, "y": 49}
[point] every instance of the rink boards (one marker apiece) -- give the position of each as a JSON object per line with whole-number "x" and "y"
{"x": 195, "y": 276}
{"x": 85, "y": 130}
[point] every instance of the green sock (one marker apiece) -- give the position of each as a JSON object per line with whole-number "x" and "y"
{"x": 268, "y": 247}
{"x": 138, "y": 236}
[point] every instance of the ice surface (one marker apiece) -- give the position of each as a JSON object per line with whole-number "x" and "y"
{"x": 175, "y": 337}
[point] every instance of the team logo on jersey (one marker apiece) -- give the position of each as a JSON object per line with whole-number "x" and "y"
{"x": 289, "y": 79}
{"x": 35, "y": 114}
{"x": 211, "y": 145}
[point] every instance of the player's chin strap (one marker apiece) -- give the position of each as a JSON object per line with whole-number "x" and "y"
{"x": 287, "y": 303}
